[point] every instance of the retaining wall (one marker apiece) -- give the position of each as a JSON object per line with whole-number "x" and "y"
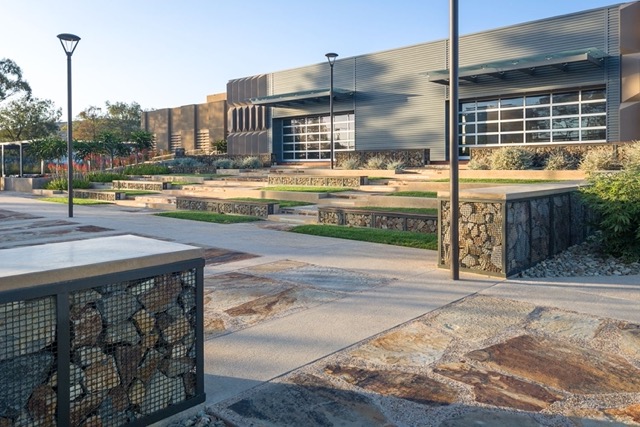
{"x": 227, "y": 206}
{"x": 505, "y": 230}
{"x": 417, "y": 223}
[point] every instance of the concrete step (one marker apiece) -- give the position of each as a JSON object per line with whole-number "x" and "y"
{"x": 294, "y": 219}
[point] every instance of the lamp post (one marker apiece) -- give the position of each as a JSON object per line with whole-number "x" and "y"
{"x": 453, "y": 141}
{"x": 69, "y": 43}
{"x": 331, "y": 57}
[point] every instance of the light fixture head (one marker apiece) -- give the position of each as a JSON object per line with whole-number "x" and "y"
{"x": 331, "y": 57}
{"x": 68, "y": 42}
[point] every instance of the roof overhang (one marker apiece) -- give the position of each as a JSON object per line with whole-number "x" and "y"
{"x": 527, "y": 65}
{"x": 303, "y": 98}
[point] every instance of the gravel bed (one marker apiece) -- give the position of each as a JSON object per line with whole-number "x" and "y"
{"x": 585, "y": 259}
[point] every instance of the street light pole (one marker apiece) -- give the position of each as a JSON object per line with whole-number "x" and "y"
{"x": 69, "y": 43}
{"x": 453, "y": 141}
{"x": 331, "y": 57}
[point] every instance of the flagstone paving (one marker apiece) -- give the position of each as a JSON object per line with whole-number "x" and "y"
{"x": 480, "y": 361}
{"x": 245, "y": 297}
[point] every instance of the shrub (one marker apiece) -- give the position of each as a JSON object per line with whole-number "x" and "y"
{"x": 631, "y": 156}
{"x": 560, "y": 160}
{"x": 478, "y": 165}
{"x": 147, "y": 169}
{"x": 599, "y": 159}
{"x": 615, "y": 199}
{"x": 350, "y": 163}
{"x": 375, "y": 162}
{"x": 251, "y": 163}
{"x": 105, "y": 176}
{"x": 224, "y": 164}
{"x": 511, "y": 158}
{"x": 395, "y": 165}
{"x": 60, "y": 183}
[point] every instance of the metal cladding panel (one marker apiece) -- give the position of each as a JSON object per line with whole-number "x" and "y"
{"x": 614, "y": 73}
{"x": 312, "y": 77}
{"x": 396, "y": 105}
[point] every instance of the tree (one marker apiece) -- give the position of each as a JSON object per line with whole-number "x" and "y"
{"x": 142, "y": 141}
{"x": 28, "y": 118}
{"x": 123, "y": 119}
{"x": 11, "y": 80}
{"x": 92, "y": 122}
{"x": 112, "y": 145}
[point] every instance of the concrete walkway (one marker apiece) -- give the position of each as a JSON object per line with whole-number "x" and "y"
{"x": 241, "y": 360}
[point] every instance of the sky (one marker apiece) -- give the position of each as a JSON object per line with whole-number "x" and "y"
{"x": 168, "y": 53}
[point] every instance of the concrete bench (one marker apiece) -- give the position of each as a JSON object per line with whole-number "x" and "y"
{"x": 401, "y": 221}
{"x": 318, "y": 181}
{"x": 107, "y": 196}
{"x": 227, "y": 206}
{"x": 141, "y": 185}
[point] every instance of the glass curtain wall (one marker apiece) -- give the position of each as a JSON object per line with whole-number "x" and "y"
{"x": 308, "y": 138}
{"x": 559, "y": 117}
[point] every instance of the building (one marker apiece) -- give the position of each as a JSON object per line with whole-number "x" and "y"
{"x": 190, "y": 127}
{"x": 572, "y": 79}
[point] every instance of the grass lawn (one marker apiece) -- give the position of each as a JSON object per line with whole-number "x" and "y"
{"x": 303, "y": 189}
{"x": 209, "y": 217}
{"x": 424, "y": 211}
{"x": 500, "y": 181}
{"x": 135, "y": 192}
{"x": 388, "y": 237}
{"x": 76, "y": 201}
{"x": 428, "y": 194}
{"x": 282, "y": 203}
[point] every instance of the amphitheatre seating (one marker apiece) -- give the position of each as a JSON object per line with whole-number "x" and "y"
{"x": 107, "y": 196}
{"x": 414, "y": 222}
{"x": 141, "y": 185}
{"x": 227, "y": 206}
{"x": 317, "y": 181}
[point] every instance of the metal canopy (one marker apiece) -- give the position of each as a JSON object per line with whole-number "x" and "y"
{"x": 528, "y": 65}
{"x": 300, "y": 99}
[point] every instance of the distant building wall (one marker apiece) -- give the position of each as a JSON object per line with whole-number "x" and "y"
{"x": 191, "y": 127}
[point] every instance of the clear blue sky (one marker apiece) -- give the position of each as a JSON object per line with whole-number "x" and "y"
{"x": 167, "y": 53}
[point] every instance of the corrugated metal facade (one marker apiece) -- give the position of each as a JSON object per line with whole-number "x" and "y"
{"x": 395, "y": 105}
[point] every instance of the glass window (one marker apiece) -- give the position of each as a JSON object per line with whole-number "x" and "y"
{"x": 565, "y": 110}
{"x": 511, "y": 126}
{"x": 538, "y": 112}
{"x": 588, "y": 95}
{"x": 594, "y": 121}
{"x": 511, "y": 102}
{"x": 512, "y": 138}
{"x": 594, "y": 135}
{"x": 307, "y": 138}
{"x": 538, "y": 100}
{"x": 568, "y": 123}
{"x": 537, "y": 124}
{"x": 594, "y": 108}
{"x": 484, "y": 105}
{"x": 487, "y": 127}
{"x": 566, "y": 97}
{"x": 541, "y": 118}
{"x": 488, "y": 115}
{"x": 511, "y": 114}
{"x": 570, "y": 135}
{"x": 487, "y": 139}
{"x": 538, "y": 137}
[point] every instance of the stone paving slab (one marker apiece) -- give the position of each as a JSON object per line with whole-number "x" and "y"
{"x": 480, "y": 361}
{"x": 242, "y": 298}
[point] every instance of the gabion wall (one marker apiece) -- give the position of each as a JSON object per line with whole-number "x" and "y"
{"x": 224, "y": 206}
{"x": 130, "y": 349}
{"x": 318, "y": 181}
{"x": 410, "y": 158}
{"x": 373, "y": 219}
{"x": 503, "y": 238}
{"x": 140, "y": 185}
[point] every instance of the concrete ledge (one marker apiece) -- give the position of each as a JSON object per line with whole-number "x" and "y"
{"x": 514, "y": 192}
{"x": 59, "y": 262}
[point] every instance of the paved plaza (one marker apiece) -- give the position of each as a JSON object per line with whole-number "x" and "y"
{"x": 305, "y": 330}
